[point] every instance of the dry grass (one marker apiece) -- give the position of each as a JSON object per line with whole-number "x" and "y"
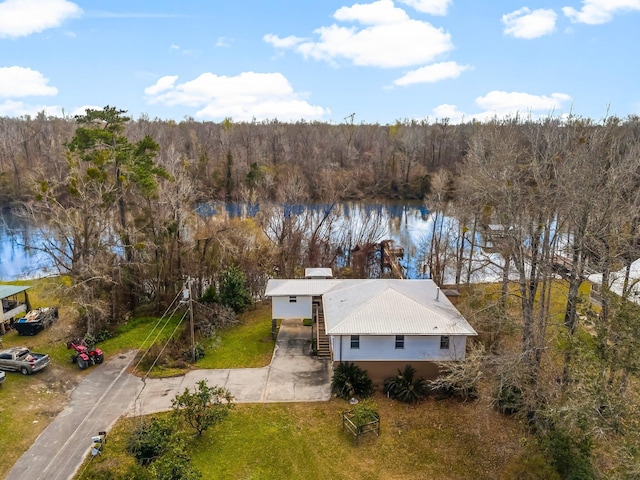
{"x": 29, "y": 403}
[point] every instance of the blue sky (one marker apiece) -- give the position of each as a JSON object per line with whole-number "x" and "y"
{"x": 321, "y": 60}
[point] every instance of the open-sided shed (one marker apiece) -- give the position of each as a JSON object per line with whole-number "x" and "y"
{"x": 15, "y": 300}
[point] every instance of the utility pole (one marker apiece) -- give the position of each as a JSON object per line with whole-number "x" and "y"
{"x": 191, "y": 325}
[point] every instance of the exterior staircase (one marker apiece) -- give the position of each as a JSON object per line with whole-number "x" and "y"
{"x": 322, "y": 339}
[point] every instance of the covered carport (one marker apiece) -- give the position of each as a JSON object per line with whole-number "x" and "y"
{"x": 13, "y": 304}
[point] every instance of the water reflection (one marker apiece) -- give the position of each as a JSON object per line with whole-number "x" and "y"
{"x": 19, "y": 256}
{"x": 408, "y": 224}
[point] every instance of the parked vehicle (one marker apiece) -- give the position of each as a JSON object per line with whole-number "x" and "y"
{"x": 36, "y": 320}
{"x": 83, "y": 355}
{"x": 21, "y": 359}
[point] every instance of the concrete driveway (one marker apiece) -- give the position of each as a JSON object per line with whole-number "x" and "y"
{"x": 108, "y": 392}
{"x": 292, "y": 376}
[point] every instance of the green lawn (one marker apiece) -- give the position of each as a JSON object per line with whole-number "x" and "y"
{"x": 246, "y": 345}
{"x": 436, "y": 440}
{"x": 140, "y": 333}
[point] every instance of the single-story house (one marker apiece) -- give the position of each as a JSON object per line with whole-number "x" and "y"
{"x": 379, "y": 324}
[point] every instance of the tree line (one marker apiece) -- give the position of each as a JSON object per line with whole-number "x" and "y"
{"x": 269, "y": 160}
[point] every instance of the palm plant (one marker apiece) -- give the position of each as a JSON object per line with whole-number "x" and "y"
{"x": 405, "y": 386}
{"x": 349, "y": 381}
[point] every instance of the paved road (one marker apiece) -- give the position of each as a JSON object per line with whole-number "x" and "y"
{"x": 95, "y": 405}
{"x": 109, "y": 392}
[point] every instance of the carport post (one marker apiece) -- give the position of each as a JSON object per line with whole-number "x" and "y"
{"x": 273, "y": 328}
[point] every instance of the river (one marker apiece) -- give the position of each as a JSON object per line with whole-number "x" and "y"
{"x": 18, "y": 260}
{"x": 406, "y": 223}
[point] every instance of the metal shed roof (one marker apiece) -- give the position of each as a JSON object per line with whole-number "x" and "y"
{"x": 318, "y": 273}
{"x": 9, "y": 290}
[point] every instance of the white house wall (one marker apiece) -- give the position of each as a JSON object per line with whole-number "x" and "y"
{"x": 282, "y": 307}
{"x": 416, "y": 348}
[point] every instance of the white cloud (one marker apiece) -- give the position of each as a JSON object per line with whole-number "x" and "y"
{"x": 499, "y": 104}
{"x": 286, "y": 42}
{"x": 16, "y": 82}
{"x": 163, "y": 84}
{"x": 243, "y": 97}
{"x": 594, "y": 12}
{"x": 527, "y": 24}
{"x": 19, "y": 18}
{"x": 82, "y": 110}
{"x": 432, "y": 73}
{"x": 386, "y": 37}
{"x": 432, "y": 7}
{"x": 382, "y": 12}
{"x": 12, "y": 108}
{"x": 224, "y": 42}
{"x": 450, "y": 112}
{"x": 512, "y": 102}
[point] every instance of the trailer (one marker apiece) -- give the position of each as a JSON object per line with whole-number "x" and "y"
{"x": 36, "y": 320}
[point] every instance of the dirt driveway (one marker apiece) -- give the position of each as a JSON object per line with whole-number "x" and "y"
{"x": 109, "y": 392}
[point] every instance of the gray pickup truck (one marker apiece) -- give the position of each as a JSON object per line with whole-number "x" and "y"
{"x": 20, "y": 359}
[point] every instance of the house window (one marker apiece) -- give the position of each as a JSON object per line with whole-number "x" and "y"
{"x": 355, "y": 341}
{"x": 399, "y": 342}
{"x": 444, "y": 342}
{"x": 293, "y": 299}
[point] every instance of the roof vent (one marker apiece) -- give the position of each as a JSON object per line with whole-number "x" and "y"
{"x": 438, "y": 294}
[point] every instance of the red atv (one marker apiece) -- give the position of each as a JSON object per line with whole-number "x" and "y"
{"x": 85, "y": 356}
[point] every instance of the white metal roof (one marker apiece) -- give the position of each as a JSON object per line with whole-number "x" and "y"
{"x": 379, "y": 306}
{"x": 300, "y": 286}
{"x": 318, "y": 273}
{"x": 391, "y": 307}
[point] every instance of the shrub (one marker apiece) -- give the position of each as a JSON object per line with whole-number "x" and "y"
{"x": 461, "y": 379}
{"x": 405, "y": 386}
{"x": 198, "y": 349}
{"x": 349, "y": 381}
{"x": 570, "y": 457}
{"x": 509, "y": 399}
{"x": 154, "y": 357}
{"x": 210, "y": 295}
{"x": 175, "y": 465}
{"x": 210, "y": 318}
{"x": 363, "y": 413}
{"x": 203, "y": 408}
{"x": 233, "y": 290}
{"x": 150, "y": 439}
